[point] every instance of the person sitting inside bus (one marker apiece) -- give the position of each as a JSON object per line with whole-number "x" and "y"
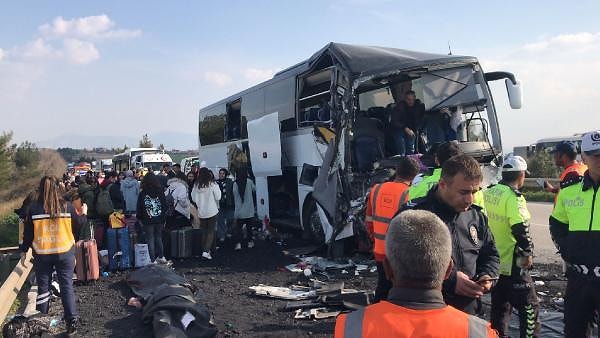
{"x": 368, "y": 141}
{"x": 405, "y": 122}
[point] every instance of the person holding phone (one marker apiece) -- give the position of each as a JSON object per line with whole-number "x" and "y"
{"x": 509, "y": 222}
{"x": 565, "y": 154}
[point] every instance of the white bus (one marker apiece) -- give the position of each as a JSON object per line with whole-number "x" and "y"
{"x": 124, "y": 160}
{"x": 298, "y": 128}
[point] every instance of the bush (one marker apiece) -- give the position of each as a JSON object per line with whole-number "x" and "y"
{"x": 9, "y": 228}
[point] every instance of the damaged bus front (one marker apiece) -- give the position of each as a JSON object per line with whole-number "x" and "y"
{"x": 369, "y": 87}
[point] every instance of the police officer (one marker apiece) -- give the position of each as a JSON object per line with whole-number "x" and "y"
{"x": 565, "y": 154}
{"x": 575, "y": 229}
{"x": 418, "y": 259}
{"x": 442, "y": 153}
{"x": 385, "y": 200}
{"x": 473, "y": 250}
{"x": 509, "y": 222}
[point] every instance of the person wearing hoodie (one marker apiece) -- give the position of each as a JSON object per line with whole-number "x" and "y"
{"x": 206, "y": 194}
{"x": 130, "y": 188}
{"x": 226, "y": 205}
{"x": 178, "y": 188}
{"x": 150, "y": 212}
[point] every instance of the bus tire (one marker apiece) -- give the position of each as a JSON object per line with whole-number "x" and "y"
{"x": 312, "y": 223}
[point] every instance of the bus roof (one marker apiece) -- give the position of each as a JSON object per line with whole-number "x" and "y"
{"x": 572, "y": 138}
{"x": 363, "y": 61}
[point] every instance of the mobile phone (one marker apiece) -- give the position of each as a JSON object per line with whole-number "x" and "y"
{"x": 490, "y": 279}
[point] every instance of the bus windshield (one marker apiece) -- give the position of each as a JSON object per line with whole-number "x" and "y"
{"x": 457, "y": 104}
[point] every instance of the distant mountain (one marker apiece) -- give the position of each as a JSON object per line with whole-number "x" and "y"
{"x": 171, "y": 140}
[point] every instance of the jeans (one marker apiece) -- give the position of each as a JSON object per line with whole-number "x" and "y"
{"x": 366, "y": 150}
{"x": 208, "y": 225}
{"x": 405, "y": 144}
{"x": 153, "y": 235}
{"x": 224, "y": 222}
{"x": 64, "y": 264}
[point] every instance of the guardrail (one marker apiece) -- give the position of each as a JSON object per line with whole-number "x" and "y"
{"x": 532, "y": 182}
{"x": 12, "y": 285}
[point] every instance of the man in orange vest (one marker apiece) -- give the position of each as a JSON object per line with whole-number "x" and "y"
{"x": 565, "y": 154}
{"x": 384, "y": 202}
{"x": 418, "y": 259}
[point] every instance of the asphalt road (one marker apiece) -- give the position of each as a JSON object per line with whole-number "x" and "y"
{"x": 545, "y": 252}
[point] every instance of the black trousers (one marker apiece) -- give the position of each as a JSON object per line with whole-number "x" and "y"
{"x": 383, "y": 284}
{"x": 515, "y": 292}
{"x": 582, "y": 301}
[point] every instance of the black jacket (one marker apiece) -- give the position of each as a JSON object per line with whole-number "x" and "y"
{"x": 473, "y": 249}
{"x": 149, "y": 212}
{"x": 226, "y": 201}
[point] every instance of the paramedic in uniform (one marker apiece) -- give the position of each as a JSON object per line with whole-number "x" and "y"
{"x": 476, "y": 260}
{"x": 385, "y": 200}
{"x": 419, "y": 257}
{"x": 49, "y": 231}
{"x": 565, "y": 154}
{"x": 509, "y": 222}
{"x": 575, "y": 229}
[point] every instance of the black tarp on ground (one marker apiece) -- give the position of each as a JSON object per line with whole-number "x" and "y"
{"x": 172, "y": 305}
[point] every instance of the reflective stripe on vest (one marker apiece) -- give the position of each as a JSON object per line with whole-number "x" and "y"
{"x": 477, "y": 327}
{"x": 354, "y": 321}
{"x": 52, "y": 235}
{"x": 353, "y": 327}
{"x": 385, "y": 200}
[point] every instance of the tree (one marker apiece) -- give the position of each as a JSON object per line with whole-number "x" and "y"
{"x": 5, "y": 158}
{"x": 542, "y": 165}
{"x": 145, "y": 142}
{"x": 27, "y": 156}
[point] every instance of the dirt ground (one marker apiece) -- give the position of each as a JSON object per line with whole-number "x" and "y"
{"x": 224, "y": 282}
{"x": 238, "y": 313}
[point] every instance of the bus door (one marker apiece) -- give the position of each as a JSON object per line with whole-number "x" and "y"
{"x": 264, "y": 143}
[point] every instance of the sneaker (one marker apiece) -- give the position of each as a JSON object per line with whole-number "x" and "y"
{"x": 72, "y": 325}
{"x": 206, "y": 255}
{"x": 250, "y": 245}
{"x": 238, "y": 247}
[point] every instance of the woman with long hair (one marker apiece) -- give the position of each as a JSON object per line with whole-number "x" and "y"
{"x": 244, "y": 209}
{"x": 206, "y": 194}
{"x": 151, "y": 207}
{"x": 49, "y": 231}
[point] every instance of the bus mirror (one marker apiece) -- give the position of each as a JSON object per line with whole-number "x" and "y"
{"x": 515, "y": 93}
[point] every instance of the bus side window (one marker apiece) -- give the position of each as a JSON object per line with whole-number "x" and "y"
{"x": 233, "y": 128}
{"x": 314, "y": 98}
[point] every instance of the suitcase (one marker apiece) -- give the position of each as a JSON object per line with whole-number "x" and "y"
{"x": 87, "y": 266}
{"x": 181, "y": 243}
{"x": 119, "y": 249}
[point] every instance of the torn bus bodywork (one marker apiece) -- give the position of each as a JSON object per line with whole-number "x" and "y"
{"x": 366, "y": 78}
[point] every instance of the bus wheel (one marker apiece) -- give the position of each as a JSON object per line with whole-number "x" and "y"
{"x": 312, "y": 223}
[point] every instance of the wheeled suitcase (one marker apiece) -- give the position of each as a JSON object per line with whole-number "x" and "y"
{"x": 119, "y": 249}
{"x": 181, "y": 243}
{"x": 87, "y": 266}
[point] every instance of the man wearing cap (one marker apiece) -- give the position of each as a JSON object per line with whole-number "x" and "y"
{"x": 565, "y": 154}
{"x": 508, "y": 219}
{"x": 575, "y": 229}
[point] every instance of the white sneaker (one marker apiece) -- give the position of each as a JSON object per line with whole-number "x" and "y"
{"x": 206, "y": 255}
{"x": 250, "y": 245}
{"x": 238, "y": 247}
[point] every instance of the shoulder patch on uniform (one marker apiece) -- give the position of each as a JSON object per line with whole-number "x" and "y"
{"x": 570, "y": 181}
{"x": 473, "y": 234}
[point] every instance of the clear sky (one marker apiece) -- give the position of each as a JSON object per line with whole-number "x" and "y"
{"x": 118, "y": 68}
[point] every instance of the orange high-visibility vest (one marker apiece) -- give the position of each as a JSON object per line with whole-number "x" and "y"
{"x": 385, "y": 201}
{"x": 52, "y": 235}
{"x": 385, "y": 319}
{"x": 578, "y": 168}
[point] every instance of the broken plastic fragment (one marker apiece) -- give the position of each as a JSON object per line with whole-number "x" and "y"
{"x": 187, "y": 319}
